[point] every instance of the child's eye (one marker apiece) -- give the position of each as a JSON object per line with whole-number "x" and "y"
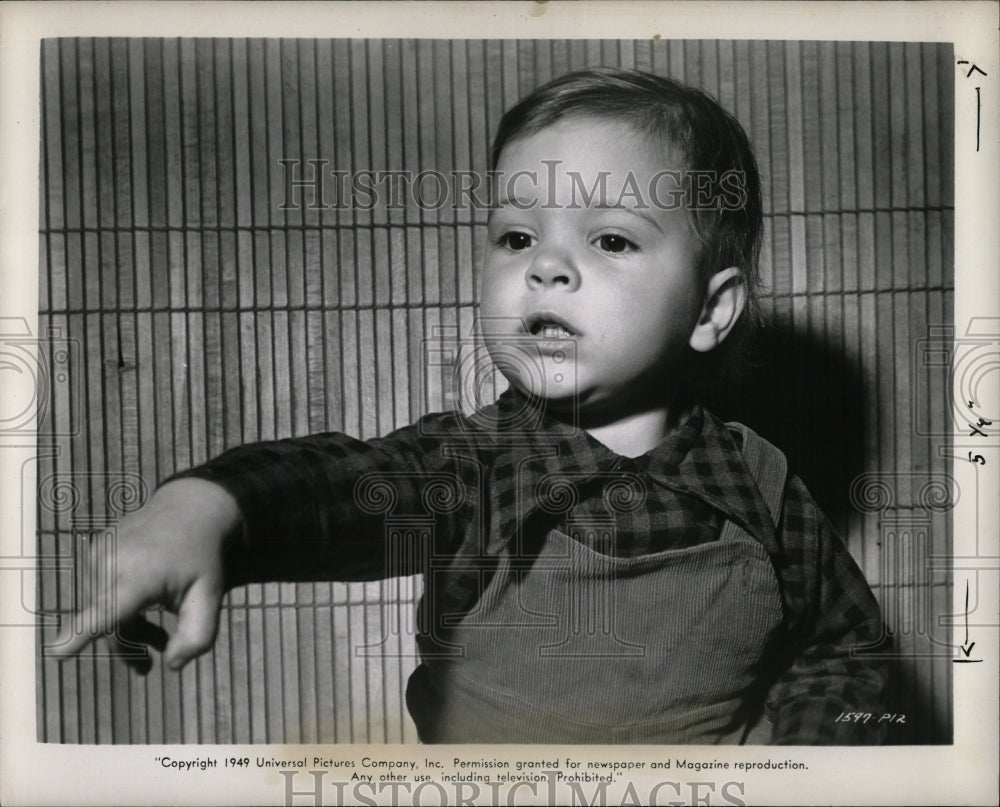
{"x": 515, "y": 241}
{"x": 615, "y": 243}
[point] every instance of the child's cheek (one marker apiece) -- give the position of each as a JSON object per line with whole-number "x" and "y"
{"x": 496, "y": 293}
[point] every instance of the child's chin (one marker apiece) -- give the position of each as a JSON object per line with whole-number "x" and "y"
{"x": 559, "y": 393}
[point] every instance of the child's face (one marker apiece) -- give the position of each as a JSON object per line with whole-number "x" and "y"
{"x": 612, "y": 284}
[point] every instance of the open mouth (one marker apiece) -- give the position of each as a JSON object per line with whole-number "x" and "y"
{"x": 549, "y": 326}
{"x": 551, "y": 331}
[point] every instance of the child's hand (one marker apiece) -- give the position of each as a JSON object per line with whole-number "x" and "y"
{"x": 168, "y": 553}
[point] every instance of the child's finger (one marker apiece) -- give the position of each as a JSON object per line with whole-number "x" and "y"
{"x": 197, "y": 623}
{"x": 131, "y": 641}
{"x": 71, "y": 640}
{"x": 139, "y": 630}
{"x": 102, "y": 616}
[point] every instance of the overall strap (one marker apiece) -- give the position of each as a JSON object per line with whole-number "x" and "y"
{"x": 768, "y": 467}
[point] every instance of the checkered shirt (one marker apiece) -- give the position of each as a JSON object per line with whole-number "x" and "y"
{"x": 330, "y": 507}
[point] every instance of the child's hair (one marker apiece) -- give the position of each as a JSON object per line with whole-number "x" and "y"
{"x": 711, "y": 140}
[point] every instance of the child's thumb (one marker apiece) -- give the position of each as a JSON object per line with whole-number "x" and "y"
{"x": 197, "y": 623}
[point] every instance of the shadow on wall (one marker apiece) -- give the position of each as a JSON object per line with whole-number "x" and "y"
{"x": 807, "y": 400}
{"x": 911, "y": 695}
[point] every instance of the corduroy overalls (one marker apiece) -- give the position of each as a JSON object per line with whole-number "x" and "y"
{"x": 584, "y": 647}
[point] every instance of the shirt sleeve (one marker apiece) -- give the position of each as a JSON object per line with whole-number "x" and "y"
{"x": 834, "y": 620}
{"x": 323, "y": 507}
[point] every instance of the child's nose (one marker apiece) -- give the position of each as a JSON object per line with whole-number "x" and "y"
{"x": 553, "y": 268}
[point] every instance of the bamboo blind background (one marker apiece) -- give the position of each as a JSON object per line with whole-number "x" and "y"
{"x": 207, "y": 316}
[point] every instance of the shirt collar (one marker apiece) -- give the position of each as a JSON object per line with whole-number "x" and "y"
{"x": 701, "y": 457}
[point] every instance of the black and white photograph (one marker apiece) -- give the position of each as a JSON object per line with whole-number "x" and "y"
{"x": 408, "y": 401}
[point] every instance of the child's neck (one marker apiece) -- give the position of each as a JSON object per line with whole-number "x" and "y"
{"x": 633, "y": 434}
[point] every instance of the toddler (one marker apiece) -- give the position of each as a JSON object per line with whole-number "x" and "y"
{"x": 608, "y": 562}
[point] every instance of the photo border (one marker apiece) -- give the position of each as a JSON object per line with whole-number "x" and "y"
{"x": 965, "y": 772}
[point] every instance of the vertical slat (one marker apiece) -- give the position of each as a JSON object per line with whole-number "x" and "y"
{"x": 758, "y": 129}
{"x": 52, "y": 110}
{"x": 69, "y": 286}
{"x": 77, "y": 720}
{"x": 844, "y": 185}
{"x": 258, "y": 668}
{"x": 642, "y": 55}
{"x": 232, "y": 675}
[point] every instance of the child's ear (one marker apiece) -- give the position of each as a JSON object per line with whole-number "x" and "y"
{"x": 724, "y": 300}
